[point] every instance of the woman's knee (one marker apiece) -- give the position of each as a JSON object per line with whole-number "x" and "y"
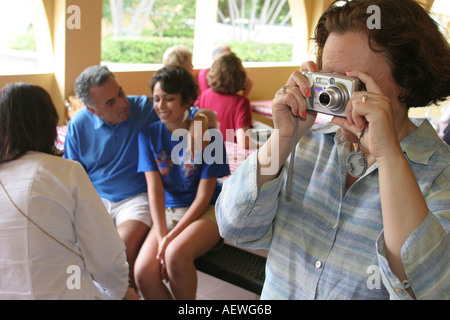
{"x": 177, "y": 259}
{"x": 146, "y": 274}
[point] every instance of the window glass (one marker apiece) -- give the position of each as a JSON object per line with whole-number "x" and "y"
{"x": 440, "y": 11}
{"x": 135, "y": 33}
{"x": 257, "y": 31}
{"x": 18, "y": 51}
{"x": 139, "y": 31}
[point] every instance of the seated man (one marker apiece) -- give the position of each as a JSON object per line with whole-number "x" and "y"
{"x": 103, "y": 138}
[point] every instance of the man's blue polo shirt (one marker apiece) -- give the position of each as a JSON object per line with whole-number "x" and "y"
{"x": 108, "y": 153}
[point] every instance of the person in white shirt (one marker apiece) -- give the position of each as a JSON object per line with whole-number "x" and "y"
{"x": 57, "y": 241}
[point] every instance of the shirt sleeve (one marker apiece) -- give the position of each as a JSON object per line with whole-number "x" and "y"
{"x": 425, "y": 254}
{"x": 102, "y": 248}
{"x": 146, "y": 160}
{"x": 71, "y": 145}
{"x": 426, "y": 261}
{"x": 244, "y": 215}
{"x": 143, "y": 110}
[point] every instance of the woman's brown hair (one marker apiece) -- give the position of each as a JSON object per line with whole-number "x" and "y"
{"x": 409, "y": 38}
{"x": 227, "y": 74}
{"x": 28, "y": 121}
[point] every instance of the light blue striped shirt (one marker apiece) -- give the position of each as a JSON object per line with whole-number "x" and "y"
{"x": 327, "y": 244}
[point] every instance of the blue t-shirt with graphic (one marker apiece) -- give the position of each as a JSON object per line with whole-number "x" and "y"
{"x": 162, "y": 151}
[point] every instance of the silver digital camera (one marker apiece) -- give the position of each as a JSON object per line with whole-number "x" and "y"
{"x": 330, "y": 92}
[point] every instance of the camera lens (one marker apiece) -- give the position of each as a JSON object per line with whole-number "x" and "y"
{"x": 334, "y": 97}
{"x": 324, "y": 98}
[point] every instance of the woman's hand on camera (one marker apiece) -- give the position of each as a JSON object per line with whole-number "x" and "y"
{"x": 289, "y": 102}
{"x": 371, "y": 110}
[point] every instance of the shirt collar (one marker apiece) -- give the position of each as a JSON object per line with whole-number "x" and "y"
{"x": 98, "y": 122}
{"x": 419, "y": 146}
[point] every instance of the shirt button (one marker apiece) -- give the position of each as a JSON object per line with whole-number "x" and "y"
{"x": 318, "y": 264}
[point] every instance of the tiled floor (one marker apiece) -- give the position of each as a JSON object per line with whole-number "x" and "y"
{"x": 210, "y": 288}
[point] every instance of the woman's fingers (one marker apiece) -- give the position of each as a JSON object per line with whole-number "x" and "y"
{"x": 356, "y": 110}
{"x": 371, "y": 84}
{"x": 297, "y": 88}
{"x": 308, "y": 66}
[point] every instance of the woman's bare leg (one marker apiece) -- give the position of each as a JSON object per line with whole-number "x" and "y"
{"x": 194, "y": 241}
{"x": 147, "y": 271}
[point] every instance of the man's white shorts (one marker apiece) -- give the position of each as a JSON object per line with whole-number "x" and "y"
{"x": 133, "y": 208}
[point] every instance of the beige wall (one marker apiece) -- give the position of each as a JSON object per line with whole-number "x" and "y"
{"x": 74, "y": 50}
{"x": 267, "y": 80}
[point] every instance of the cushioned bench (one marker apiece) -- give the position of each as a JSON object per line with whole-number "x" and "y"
{"x": 236, "y": 266}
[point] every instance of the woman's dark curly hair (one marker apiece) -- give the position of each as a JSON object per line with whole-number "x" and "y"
{"x": 174, "y": 80}
{"x": 409, "y": 38}
{"x": 28, "y": 121}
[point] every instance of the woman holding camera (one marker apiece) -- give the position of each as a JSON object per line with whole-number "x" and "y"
{"x": 383, "y": 232}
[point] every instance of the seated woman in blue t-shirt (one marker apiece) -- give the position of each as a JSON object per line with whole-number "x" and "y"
{"x": 182, "y": 189}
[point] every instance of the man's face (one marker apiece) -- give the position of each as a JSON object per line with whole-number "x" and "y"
{"x": 109, "y": 102}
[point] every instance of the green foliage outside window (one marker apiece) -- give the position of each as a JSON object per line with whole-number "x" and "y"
{"x": 139, "y": 50}
{"x": 139, "y": 31}
{"x": 25, "y": 41}
{"x": 151, "y": 50}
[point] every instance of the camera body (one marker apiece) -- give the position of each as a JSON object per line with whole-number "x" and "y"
{"x": 330, "y": 92}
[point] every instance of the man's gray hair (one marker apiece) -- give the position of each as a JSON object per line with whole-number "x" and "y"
{"x": 94, "y": 76}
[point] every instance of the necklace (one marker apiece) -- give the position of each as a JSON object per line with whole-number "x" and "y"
{"x": 357, "y": 161}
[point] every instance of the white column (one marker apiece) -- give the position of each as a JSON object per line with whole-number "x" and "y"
{"x": 299, "y": 19}
{"x": 205, "y": 21}
{"x": 305, "y": 15}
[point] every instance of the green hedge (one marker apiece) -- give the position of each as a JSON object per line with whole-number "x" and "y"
{"x": 139, "y": 50}
{"x": 262, "y": 52}
{"x": 25, "y": 41}
{"x": 151, "y": 50}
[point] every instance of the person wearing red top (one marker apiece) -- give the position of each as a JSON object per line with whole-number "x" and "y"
{"x": 203, "y": 81}
{"x": 226, "y": 78}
